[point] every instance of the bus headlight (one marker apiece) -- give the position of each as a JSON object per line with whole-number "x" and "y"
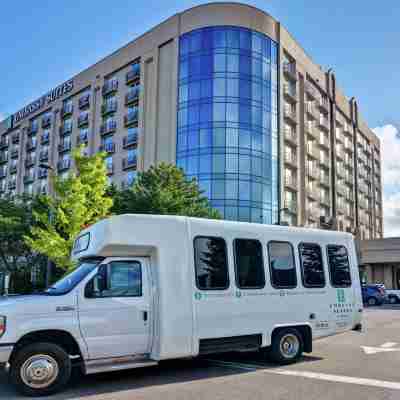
{"x": 3, "y": 321}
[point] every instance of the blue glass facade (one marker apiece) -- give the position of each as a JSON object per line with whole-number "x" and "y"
{"x": 228, "y": 120}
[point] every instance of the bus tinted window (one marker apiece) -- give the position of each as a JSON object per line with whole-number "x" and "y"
{"x": 282, "y": 265}
{"x": 312, "y": 265}
{"x": 249, "y": 265}
{"x": 211, "y": 263}
{"x": 339, "y": 266}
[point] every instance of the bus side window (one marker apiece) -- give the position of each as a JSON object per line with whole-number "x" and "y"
{"x": 282, "y": 265}
{"x": 339, "y": 266}
{"x": 312, "y": 266}
{"x": 249, "y": 264}
{"x": 211, "y": 263}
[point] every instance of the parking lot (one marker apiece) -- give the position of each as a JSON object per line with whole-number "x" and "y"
{"x": 351, "y": 365}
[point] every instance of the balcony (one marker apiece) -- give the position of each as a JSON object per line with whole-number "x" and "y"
{"x": 324, "y": 162}
{"x": 30, "y": 145}
{"x": 325, "y": 200}
{"x": 32, "y": 130}
{"x": 44, "y": 155}
{"x": 314, "y": 213}
{"x": 109, "y": 87}
{"x": 323, "y": 104}
{"x": 340, "y": 171}
{"x": 291, "y": 136}
{"x": 15, "y": 138}
{"x": 82, "y": 139}
{"x": 290, "y": 205}
{"x": 4, "y": 142}
{"x": 289, "y": 70}
{"x": 109, "y": 108}
{"x": 324, "y": 180}
{"x": 311, "y": 110}
{"x": 291, "y": 181}
{"x": 131, "y": 118}
{"x": 12, "y": 185}
{"x": 133, "y": 75}
{"x": 339, "y": 152}
{"x": 46, "y": 122}
{"x": 313, "y": 173}
{"x": 128, "y": 163}
{"x": 43, "y": 173}
{"x": 13, "y": 168}
{"x": 348, "y": 146}
{"x": 65, "y": 129}
{"x": 290, "y": 93}
{"x": 63, "y": 165}
{"x": 3, "y": 158}
{"x": 29, "y": 161}
{"x": 15, "y": 152}
{"x": 67, "y": 110}
{"x": 63, "y": 147}
{"x": 108, "y": 128}
{"x": 291, "y": 158}
{"x": 132, "y": 96}
{"x": 108, "y": 148}
{"x": 290, "y": 115}
{"x": 313, "y": 192}
{"x": 130, "y": 140}
{"x": 310, "y": 90}
{"x": 45, "y": 139}
{"x": 84, "y": 102}
{"x": 29, "y": 178}
{"x": 83, "y": 120}
{"x": 324, "y": 124}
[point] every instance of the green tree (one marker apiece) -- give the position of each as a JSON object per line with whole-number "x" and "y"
{"x": 164, "y": 190}
{"x": 79, "y": 200}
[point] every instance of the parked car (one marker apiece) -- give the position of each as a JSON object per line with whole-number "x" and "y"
{"x": 374, "y": 294}
{"x": 393, "y": 296}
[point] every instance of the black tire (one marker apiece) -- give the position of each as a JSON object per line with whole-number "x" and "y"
{"x": 55, "y": 354}
{"x": 393, "y": 300}
{"x": 371, "y": 301}
{"x": 277, "y": 353}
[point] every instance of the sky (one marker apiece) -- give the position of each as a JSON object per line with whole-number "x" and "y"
{"x": 46, "y": 42}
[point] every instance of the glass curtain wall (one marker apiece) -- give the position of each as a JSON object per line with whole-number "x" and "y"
{"x": 228, "y": 120}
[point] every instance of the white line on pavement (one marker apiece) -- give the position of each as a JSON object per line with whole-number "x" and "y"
{"x": 311, "y": 375}
{"x": 340, "y": 378}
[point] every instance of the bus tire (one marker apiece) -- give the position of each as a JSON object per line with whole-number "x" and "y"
{"x": 287, "y": 346}
{"x": 40, "y": 369}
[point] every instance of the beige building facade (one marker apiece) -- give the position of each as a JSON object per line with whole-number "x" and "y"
{"x": 310, "y": 161}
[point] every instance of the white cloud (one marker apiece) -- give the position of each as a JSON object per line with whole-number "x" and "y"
{"x": 2, "y": 116}
{"x": 390, "y": 147}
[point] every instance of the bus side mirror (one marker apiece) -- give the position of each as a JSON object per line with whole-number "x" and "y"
{"x": 98, "y": 284}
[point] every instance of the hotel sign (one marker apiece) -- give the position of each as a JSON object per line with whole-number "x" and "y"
{"x": 53, "y": 95}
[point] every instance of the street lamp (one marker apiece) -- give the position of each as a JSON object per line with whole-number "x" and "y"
{"x": 49, "y": 263}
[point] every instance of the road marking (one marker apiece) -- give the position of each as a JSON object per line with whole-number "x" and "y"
{"x": 309, "y": 375}
{"x": 339, "y": 378}
{"x": 388, "y": 345}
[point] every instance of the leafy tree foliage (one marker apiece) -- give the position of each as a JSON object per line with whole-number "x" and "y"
{"x": 79, "y": 200}
{"x": 164, "y": 190}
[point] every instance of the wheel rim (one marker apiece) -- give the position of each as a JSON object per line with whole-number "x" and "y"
{"x": 392, "y": 300}
{"x": 371, "y": 301}
{"x": 39, "y": 371}
{"x": 289, "y": 345}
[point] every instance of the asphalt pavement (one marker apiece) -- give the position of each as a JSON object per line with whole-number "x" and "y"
{"x": 356, "y": 366}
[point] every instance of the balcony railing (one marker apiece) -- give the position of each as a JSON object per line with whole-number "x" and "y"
{"x": 129, "y": 163}
{"x": 291, "y": 136}
{"x": 109, "y": 87}
{"x": 310, "y": 90}
{"x": 14, "y": 153}
{"x": 290, "y": 115}
{"x": 314, "y": 213}
{"x": 108, "y": 127}
{"x": 82, "y": 139}
{"x": 63, "y": 165}
{"x": 290, "y": 93}
{"x": 324, "y": 124}
{"x": 66, "y": 146}
{"x": 4, "y": 142}
{"x": 313, "y": 173}
{"x": 32, "y": 129}
{"x": 133, "y": 75}
{"x": 30, "y": 145}
{"x": 43, "y": 173}
{"x": 67, "y": 109}
{"x": 15, "y": 138}
{"x": 109, "y": 107}
{"x": 13, "y": 168}
{"x": 291, "y": 181}
{"x": 44, "y": 155}
{"x": 108, "y": 148}
{"x": 324, "y": 180}
{"x": 12, "y": 185}
{"x": 313, "y": 151}
{"x": 3, "y": 158}
{"x": 324, "y": 162}
{"x": 130, "y": 140}
{"x": 84, "y": 101}
{"x": 29, "y": 178}
{"x": 311, "y": 110}
{"x": 65, "y": 129}
{"x": 289, "y": 69}
{"x": 29, "y": 161}
{"x": 46, "y": 122}
{"x": 290, "y": 205}
{"x": 131, "y": 118}
{"x": 83, "y": 120}
{"x": 132, "y": 96}
{"x": 291, "y": 158}
{"x": 323, "y": 104}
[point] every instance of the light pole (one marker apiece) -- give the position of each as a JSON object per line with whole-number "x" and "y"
{"x": 49, "y": 263}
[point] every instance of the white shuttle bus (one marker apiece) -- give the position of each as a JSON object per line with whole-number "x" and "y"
{"x": 151, "y": 288}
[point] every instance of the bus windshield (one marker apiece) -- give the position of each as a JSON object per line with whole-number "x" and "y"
{"x": 68, "y": 282}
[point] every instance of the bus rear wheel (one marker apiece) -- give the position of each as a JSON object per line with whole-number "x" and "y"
{"x": 287, "y": 346}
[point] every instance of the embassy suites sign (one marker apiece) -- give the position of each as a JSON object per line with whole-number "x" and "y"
{"x": 48, "y": 98}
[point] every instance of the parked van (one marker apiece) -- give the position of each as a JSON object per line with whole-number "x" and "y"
{"x": 151, "y": 288}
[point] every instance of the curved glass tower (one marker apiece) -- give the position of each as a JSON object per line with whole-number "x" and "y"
{"x": 227, "y": 120}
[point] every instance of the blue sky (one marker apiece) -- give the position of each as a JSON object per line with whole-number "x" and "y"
{"x": 44, "y": 43}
